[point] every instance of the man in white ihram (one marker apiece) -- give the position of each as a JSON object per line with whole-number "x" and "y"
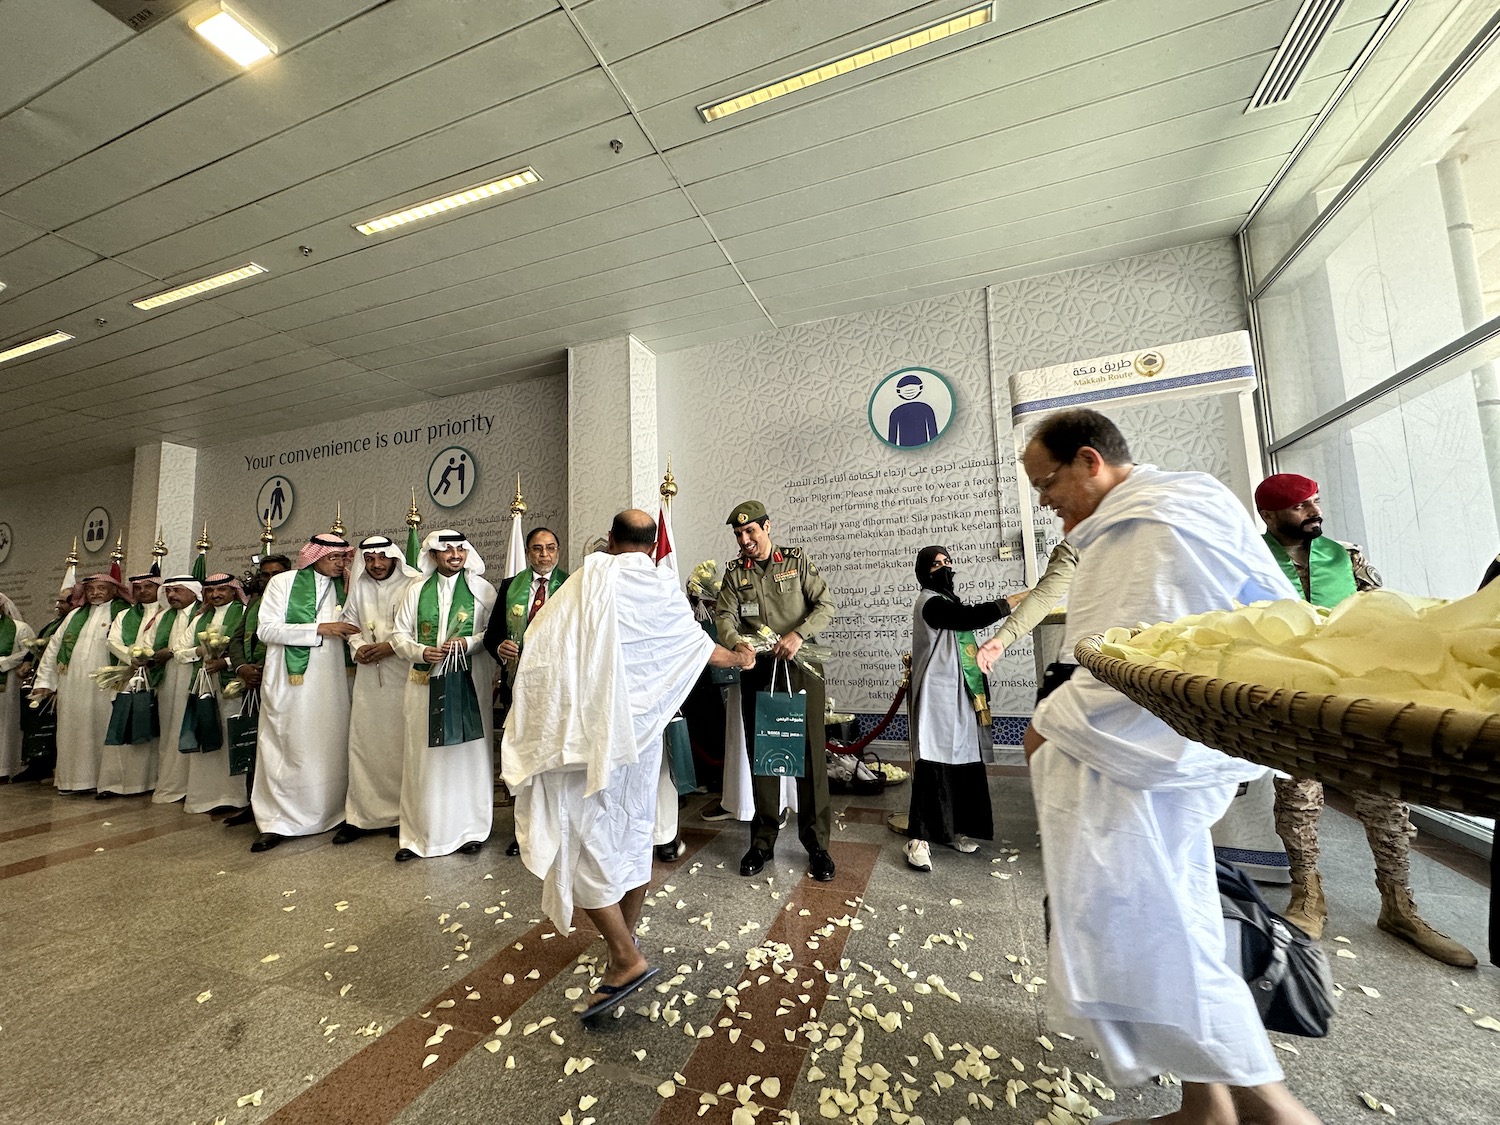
{"x": 1125, "y": 805}
{"x": 377, "y": 723}
{"x": 608, "y": 661}
{"x": 447, "y": 792}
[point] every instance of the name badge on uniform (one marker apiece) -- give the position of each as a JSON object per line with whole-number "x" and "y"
{"x": 750, "y": 609}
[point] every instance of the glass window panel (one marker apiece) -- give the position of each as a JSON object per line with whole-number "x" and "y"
{"x": 1410, "y": 477}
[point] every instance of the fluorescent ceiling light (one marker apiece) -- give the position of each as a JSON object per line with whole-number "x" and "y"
{"x": 921, "y": 37}
{"x": 193, "y": 288}
{"x": 234, "y": 37}
{"x": 448, "y": 202}
{"x": 34, "y": 345}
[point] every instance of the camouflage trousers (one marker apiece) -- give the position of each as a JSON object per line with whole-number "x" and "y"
{"x": 1388, "y": 827}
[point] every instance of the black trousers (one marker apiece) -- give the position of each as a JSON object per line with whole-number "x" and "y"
{"x": 814, "y": 812}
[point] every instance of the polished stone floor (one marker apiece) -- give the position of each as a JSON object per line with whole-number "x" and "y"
{"x": 157, "y": 971}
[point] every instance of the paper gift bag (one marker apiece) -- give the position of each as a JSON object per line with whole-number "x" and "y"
{"x": 200, "y": 732}
{"x": 133, "y": 719}
{"x": 452, "y": 703}
{"x": 243, "y": 729}
{"x": 780, "y": 730}
{"x": 39, "y": 731}
{"x": 679, "y": 751}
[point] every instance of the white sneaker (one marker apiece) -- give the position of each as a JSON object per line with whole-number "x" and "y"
{"x": 918, "y": 856}
{"x": 964, "y": 844}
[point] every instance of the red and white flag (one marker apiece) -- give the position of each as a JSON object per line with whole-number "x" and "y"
{"x": 664, "y": 554}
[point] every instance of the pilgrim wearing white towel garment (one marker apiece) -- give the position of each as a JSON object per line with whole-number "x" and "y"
{"x": 302, "y": 749}
{"x": 1125, "y": 805}
{"x": 377, "y": 723}
{"x": 447, "y": 792}
{"x": 608, "y": 661}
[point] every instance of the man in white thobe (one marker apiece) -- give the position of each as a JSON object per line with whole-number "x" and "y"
{"x": 447, "y": 792}
{"x": 608, "y": 662}
{"x": 168, "y": 630}
{"x": 211, "y": 787}
{"x": 377, "y": 723}
{"x": 14, "y": 636}
{"x": 302, "y": 749}
{"x": 79, "y": 647}
{"x": 128, "y": 770}
{"x": 1125, "y": 805}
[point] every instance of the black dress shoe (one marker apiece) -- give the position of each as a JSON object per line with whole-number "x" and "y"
{"x": 404, "y": 854}
{"x": 266, "y": 841}
{"x": 470, "y": 848}
{"x": 514, "y": 847}
{"x": 670, "y": 853}
{"x": 754, "y": 860}
{"x": 103, "y": 795}
{"x": 820, "y": 866}
{"x": 221, "y": 810}
{"x": 245, "y": 816}
{"x": 347, "y": 834}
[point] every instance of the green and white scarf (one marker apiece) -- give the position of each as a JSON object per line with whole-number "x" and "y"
{"x": 1330, "y": 571}
{"x": 232, "y": 617}
{"x": 302, "y": 609}
{"x": 429, "y": 630}
{"x": 75, "y": 629}
{"x": 255, "y": 648}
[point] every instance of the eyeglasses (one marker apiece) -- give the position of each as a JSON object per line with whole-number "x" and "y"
{"x": 1046, "y": 482}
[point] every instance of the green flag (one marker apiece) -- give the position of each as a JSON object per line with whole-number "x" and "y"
{"x": 413, "y": 546}
{"x": 200, "y": 566}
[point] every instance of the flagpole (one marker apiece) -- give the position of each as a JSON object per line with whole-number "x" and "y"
{"x": 515, "y": 557}
{"x": 413, "y": 541}
{"x": 665, "y": 549}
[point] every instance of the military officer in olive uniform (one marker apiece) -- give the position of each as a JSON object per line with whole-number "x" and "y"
{"x": 778, "y": 587}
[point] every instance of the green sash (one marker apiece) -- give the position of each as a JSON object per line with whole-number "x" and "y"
{"x": 255, "y": 648}
{"x": 75, "y": 629}
{"x": 156, "y": 674}
{"x": 233, "y": 615}
{"x": 302, "y": 609}
{"x": 460, "y": 619}
{"x": 7, "y": 643}
{"x": 968, "y": 649}
{"x": 130, "y": 624}
{"x": 518, "y": 600}
{"x": 1330, "y": 571}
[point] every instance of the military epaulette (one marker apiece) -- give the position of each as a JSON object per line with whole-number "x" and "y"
{"x": 794, "y": 552}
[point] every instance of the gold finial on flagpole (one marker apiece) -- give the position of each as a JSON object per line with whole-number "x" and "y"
{"x": 413, "y": 517}
{"x": 338, "y": 519}
{"x": 668, "y": 482}
{"x": 118, "y": 554}
{"x": 518, "y": 505}
{"x": 159, "y": 548}
{"x": 204, "y": 542}
{"x": 72, "y": 559}
{"x": 267, "y": 537}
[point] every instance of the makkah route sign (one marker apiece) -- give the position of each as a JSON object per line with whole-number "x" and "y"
{"x": 274, "y": 502}
{"x": 5, "y": 541}
{"x": 95, "y": 530}
{"x": 452, "y": 476}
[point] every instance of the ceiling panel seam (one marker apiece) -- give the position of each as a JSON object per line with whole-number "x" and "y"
{"x": 661, "y": 155}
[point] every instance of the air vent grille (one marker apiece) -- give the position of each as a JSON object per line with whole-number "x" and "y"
{"x": 1296, "y": 52}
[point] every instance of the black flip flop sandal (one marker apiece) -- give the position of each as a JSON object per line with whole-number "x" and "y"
{"x": 615, "y": 995}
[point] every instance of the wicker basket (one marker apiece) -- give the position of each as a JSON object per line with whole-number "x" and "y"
{"x": 1424, "y": 755}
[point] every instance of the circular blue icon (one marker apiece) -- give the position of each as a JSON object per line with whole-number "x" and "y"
{"x": 911, "y": 407}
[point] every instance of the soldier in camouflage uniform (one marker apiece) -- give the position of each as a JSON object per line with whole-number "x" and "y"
{"x": 778, "y": 587}
{"x": 1327, "y": 571}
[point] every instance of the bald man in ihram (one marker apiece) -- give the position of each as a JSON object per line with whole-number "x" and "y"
{"x": 608, "y": 660}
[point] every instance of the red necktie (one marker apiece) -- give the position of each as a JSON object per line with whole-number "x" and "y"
{"x": 536, "y": 602}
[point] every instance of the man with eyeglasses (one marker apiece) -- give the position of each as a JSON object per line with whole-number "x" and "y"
{"x": 1125, "y": 805}
{"x": 1326, "y": 572}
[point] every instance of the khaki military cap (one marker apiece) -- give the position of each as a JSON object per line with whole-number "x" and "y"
{"x": 745, "y": 512}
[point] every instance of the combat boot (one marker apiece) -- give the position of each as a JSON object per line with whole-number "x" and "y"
{"x": 1399, "y": 917}
{"x": 1307, "y": 910}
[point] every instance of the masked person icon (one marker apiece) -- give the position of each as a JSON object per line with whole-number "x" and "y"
{"x": 913, "y": 423}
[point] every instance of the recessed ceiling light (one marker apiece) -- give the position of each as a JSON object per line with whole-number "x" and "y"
{"x": 193, "y": 288}
{"x": 234, "y": 37}
{"x": 909, "y": 41}
{"x": 35, "y": 345}
{"x": 463, "y": 198}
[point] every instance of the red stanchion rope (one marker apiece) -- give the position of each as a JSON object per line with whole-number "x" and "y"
{"x": 879, "y": 729}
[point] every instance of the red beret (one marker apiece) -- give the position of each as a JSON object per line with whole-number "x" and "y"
{"x": 1284, "y": 490}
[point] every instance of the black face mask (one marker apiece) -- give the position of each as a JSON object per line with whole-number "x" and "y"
{"x": 941, "y": 580}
